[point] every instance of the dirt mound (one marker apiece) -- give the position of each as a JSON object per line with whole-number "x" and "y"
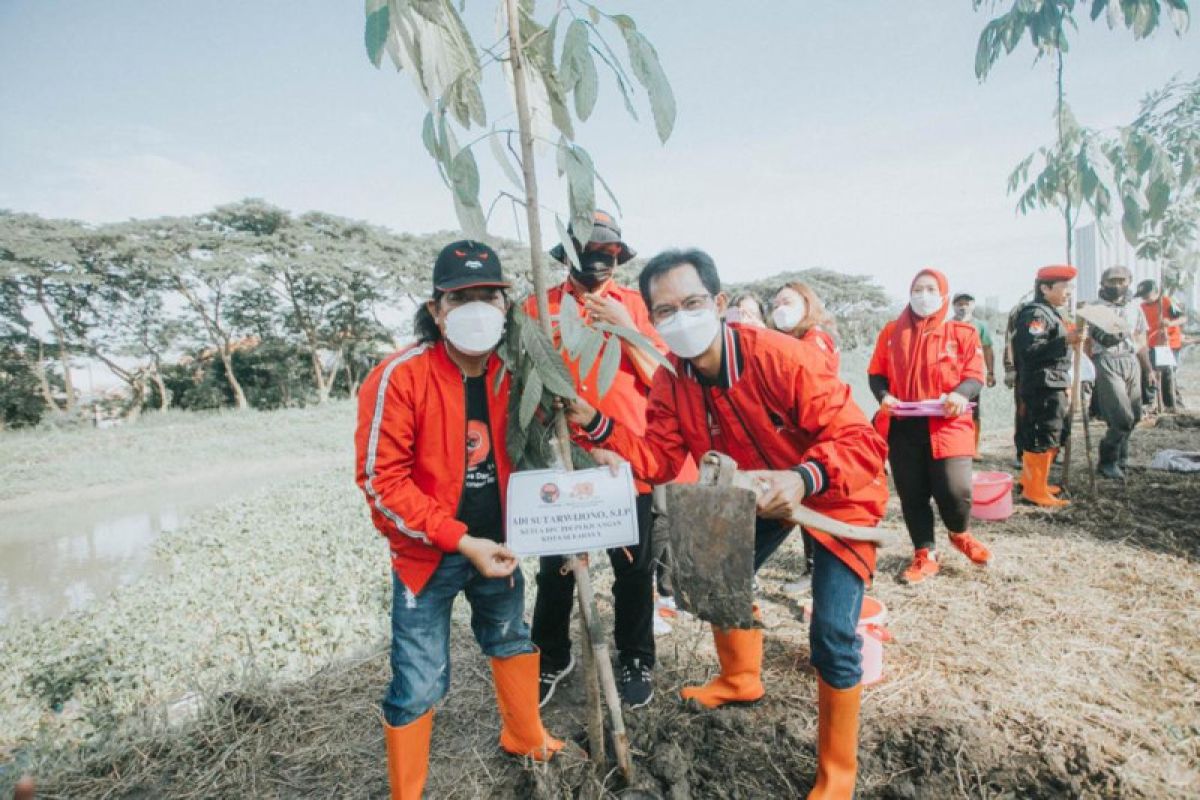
{"x": 1150, "y": 509}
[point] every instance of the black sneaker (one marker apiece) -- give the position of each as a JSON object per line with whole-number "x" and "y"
{"x": 549, "y": 679}
{"x": 635, "y": 685}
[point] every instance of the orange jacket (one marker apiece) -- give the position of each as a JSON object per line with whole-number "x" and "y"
{"x": 959, "y": 357}
{"x": 625, "y": 400}
{"x": 1158, "y": 314}
{"x": 777, "y": 405}
{"x": 411, "y": 453}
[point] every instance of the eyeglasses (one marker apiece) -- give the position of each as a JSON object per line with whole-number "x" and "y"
{"x": 693, "y": 303}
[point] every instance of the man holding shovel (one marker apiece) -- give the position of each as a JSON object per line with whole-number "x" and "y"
{"x": 775, "y": 405}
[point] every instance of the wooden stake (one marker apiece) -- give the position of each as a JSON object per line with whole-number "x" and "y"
{"x": 601, "y": 668}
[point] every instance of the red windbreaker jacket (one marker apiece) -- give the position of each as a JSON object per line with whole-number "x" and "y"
{"x": 777, "y": 405}
{"x": 411, "y": 453}
{"x": 947, "y": 356}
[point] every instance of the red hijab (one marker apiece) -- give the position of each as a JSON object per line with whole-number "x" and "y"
{"x": 914, "y": 352}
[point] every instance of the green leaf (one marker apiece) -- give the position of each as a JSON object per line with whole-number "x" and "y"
{"x": 430, "y": 138}
{"x": 575, "y": 50}
{"x": 609, "y": 192}
{"x": 646, "y": 68}
{"x": 592, "y": 343}
{"x": 638, "y": 340}
{"x": 548, "y": 361}
{"x": 464, "y": 175}
{"x": 531, "y": 396}
{"x": 502, "y": 159}
{"x": 610, "y": 362}
{"x": 581, "y": 182}
{"x": 1159, "y": 197}
{"x": 376, "y": 32}
{"x": 570, "y": 325}
{"x": 1131, "y": 220}
{"x": 587, "y": 89}
{"x": 567, "y": 243}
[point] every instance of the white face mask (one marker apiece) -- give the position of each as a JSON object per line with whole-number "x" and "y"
{"x": 689, "y": 333}
{"x": 924, "y": 303}
{"x": 474, "y": 328}
{"x": 786, "y": 318}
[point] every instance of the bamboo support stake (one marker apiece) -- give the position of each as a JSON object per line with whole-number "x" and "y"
{"x": 602, "y": 667}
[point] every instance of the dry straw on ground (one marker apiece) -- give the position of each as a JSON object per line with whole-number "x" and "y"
{"x": 1069, "y": 668}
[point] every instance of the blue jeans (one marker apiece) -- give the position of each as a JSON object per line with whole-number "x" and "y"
{"x": 421, "y": 632}
{"x": 832, "y": 635}
{"x": 837, "y": 601}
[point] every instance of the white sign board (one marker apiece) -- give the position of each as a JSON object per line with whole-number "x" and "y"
{"x": 551, "y": 512}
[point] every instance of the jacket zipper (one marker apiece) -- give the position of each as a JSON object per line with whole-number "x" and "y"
{"x": 462, "y": 492}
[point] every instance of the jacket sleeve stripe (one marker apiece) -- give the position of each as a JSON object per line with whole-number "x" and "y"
{"x": 373, "y": 446}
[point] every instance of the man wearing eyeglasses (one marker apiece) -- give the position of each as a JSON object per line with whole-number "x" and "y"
{"x": 776, "y": 406}
{"x": 601, "y": 299}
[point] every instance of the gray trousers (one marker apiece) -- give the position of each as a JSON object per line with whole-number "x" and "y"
{"x": 1119, "y": 395}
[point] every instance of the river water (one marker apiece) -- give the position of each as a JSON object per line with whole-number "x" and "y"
{"x": 59, "y": 559}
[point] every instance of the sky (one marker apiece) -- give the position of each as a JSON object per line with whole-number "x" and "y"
{"x": 850, "y": 136}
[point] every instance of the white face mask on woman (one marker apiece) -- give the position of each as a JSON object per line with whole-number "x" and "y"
{"x": 474, "y": 328}
{"x": 689, "y": 333}
{"x": 924, "y": 303}
{"x": 786, "y": 318}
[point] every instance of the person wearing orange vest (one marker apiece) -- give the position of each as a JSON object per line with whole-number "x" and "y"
{"x": 1165, "y": 319}
{"x": 432, "y": 464}
{"x": 599, "y": 298}
{"x": 773, "y": 404}
{"x": 922, "y": 355}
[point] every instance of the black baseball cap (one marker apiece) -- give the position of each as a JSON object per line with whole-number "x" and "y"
{"x": 962, "y": 296}
{"x": 465, "y": 265}
{"x": 1145, "y": 288}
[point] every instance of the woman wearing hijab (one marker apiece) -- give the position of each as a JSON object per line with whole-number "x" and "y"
{"x": 797, "y": 311}
{"x": 922, "y": 355}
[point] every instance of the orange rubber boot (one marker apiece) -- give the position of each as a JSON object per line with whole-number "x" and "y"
{"x": 1054, "y": 490}
{"x": 1036, "y": 467}
{"x": 837, "y": 742}
{"x": 971, "y": 547}
{"x": 521, "y": 733}
{"x": 924, "y": 565}
{"x": 740, "y": 652}
{"x": 408, "y": 756}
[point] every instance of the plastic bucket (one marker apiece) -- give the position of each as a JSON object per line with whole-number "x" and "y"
{"x": 991, "y": 495}
{"x": 872, "y": 631}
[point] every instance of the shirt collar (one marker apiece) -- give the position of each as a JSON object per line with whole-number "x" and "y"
{"x": 732, "y": 361}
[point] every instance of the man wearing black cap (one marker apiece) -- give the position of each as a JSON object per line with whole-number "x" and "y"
{"x": 601, "y": 299}
{"x": 1116, "y": 355}
{"x": 964, "y": 311}
{"x": 432, "y": 464}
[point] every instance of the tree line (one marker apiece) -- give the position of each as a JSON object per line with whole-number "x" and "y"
{"x": 244, "y": 306}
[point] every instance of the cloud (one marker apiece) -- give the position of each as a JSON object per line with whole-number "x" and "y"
{"x": 112, "y": 188}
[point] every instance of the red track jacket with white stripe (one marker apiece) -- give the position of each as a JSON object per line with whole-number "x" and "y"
{"x": 411, "y": 453}
{"x": 777, "y": 404}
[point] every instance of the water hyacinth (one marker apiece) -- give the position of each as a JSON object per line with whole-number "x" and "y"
{"x": 274, "y": 585}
